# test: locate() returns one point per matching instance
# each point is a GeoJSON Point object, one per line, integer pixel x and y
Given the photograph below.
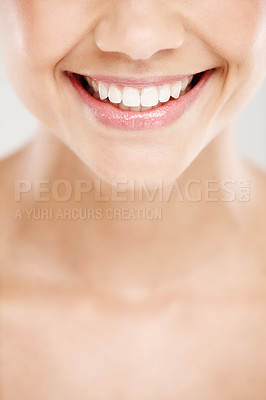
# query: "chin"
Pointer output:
{"type": "Point", "coordinates": [135, 179]}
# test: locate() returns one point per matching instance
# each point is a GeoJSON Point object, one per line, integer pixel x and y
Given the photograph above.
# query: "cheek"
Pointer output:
{"type": "Point", "coordinates": [41, 32]}
{"type": "Point", "coordinates": [235, 29]}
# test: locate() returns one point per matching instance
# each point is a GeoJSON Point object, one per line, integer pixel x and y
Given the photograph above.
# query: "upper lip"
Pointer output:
{"type": "Point", "coordinates": [139, 81]}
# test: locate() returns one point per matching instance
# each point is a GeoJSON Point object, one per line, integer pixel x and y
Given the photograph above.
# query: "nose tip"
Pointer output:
{"type": "Point", "coordinates": [139, 35]}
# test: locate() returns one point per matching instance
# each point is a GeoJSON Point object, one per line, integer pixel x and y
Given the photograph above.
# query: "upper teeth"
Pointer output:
{"type": "Point", "coordinates": [134, 97]}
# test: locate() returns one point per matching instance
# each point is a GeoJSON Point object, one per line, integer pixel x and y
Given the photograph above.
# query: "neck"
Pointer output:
{"type": "Point", "coordinates": [206, 180]}
{"type": "Point", "coordinates": [138, 230]}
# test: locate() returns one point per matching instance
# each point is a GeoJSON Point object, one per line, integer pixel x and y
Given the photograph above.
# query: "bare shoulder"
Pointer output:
{"type": "Point", "coordinates": [7, 167]}
{"type": "Point", "coordinates": [254, 213]}
{"type": "Point", "coordinates": [10, 171]}
{"type": "Point", "coordinates": [13, 168]}
{"type": "Point", "coordinates": [10, 168]}
{"type": "Point", "coordinates": [258, 194]}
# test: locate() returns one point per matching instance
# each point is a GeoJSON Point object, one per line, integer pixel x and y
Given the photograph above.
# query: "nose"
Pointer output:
{"type": "Point", "coordinates": [139, 29]}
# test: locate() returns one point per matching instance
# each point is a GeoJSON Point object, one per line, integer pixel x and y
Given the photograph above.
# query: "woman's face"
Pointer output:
{"type": "Point", "coordinates": [138, 53]}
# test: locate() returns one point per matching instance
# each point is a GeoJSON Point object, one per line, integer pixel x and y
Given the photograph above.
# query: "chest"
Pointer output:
{"type": "Point", "coordinates": [54, 352]}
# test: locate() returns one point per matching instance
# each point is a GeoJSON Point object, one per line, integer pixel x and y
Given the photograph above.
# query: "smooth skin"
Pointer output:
{"type": "Point", "coordinates": [113, 309]}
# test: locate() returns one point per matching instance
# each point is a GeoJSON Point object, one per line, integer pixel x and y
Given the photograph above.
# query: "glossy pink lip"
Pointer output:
{"type": "Point", "coordinates": [164, 115]}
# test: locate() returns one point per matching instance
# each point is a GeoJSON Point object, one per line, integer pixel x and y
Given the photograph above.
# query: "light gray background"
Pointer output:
{"type": "Point", "coordinates": [17, 125]}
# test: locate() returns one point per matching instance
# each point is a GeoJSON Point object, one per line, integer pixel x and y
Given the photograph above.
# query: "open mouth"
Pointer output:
{"type": "Point", "coordinates": [137, 99]}
{"type": "Point", "coordinates": [130, 104]}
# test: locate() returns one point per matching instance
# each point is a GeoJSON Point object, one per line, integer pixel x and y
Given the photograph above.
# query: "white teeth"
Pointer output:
{"type": "Point", "coordinates": [190, 79]}
{"type": "Point", "coordinates": [184, 84]}
{"type": "Point", "coordinates": [135, 108]}
{"type": "Point", "coordinates": [115, 96]}
{"type": "Point", "coordinates": [123, 107]}
{"type": "Point", "coordinates": [103, 92]}
{"type": "Point", "coordinates": [175, 90]}
{"type": "Point", "coordinates": [89, 80]}
{"type": "Point", "coordinates": [164, 93]}
{"type": "Point", "coordinates": [135, 99]}
{"type": "Point", "coordinates": [95, 86]}
{"type": "Point", "coordinates": [131, 97]}
{"type": "Point", "coordinates": [149, 97]}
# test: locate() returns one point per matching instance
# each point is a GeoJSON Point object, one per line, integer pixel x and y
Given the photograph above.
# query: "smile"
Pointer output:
{"type": "Point", "coordinates": [143, 104]}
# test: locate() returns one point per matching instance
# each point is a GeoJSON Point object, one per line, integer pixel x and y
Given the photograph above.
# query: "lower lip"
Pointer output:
{"type": "Point", "coordinates": [164, 115]}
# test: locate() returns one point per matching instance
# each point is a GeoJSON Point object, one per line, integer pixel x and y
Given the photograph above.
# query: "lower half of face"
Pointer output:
{"type": "Point", "coordinates": [135, 90]}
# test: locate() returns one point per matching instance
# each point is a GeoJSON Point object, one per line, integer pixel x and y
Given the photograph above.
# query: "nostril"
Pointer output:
{"type": "Point", "coordinates": [140, 36]}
